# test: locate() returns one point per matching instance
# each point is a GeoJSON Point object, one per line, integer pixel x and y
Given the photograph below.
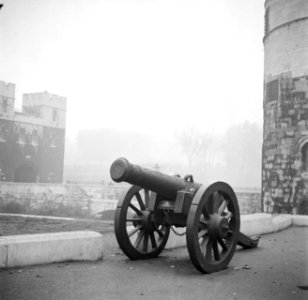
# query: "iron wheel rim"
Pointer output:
{"type": "Point", "coordinates": [211, 246]}
{"type": "Point", "coordinates": [136, 230]}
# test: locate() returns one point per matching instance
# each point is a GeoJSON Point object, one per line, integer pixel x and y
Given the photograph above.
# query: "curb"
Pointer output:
{"type": "Point", "coordinates": [32, 249]}
{"type": "Point", "coordinates": [300, 220]}
{"type": "Point", "coordinates": [255, 224]}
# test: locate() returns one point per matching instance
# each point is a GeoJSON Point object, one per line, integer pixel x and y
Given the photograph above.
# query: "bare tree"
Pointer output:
{"type": "Point", "coordinates": [195, 145]}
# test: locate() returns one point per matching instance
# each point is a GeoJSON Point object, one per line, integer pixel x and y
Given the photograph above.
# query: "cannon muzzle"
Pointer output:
{"type": "Point", "coordinates": [120, 170]}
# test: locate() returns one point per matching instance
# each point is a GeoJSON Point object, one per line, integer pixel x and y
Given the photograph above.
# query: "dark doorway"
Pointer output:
{"type": "Point", "coordinates": [27, 172]}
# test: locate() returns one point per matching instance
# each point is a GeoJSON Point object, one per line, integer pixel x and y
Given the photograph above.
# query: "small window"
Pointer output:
{"type": "Point", "coordinates": [5, 105]}
{"type": "Point", "coordinates": [272, 91]}
{"type": "Point", "coordinates": [55, 115]}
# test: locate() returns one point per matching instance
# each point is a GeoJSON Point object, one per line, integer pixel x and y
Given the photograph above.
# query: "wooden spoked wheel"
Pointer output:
{"type": "Point", "coordinates": [213, 227]}
{"type": "Point", "coordinates": [137, 232]}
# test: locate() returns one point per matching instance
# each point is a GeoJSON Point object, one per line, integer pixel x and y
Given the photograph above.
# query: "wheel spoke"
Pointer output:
{"type": "Point", "coordinates": [139, 238]}
{"type": "Point", "coordinates": [228, 215]}
{"type": "Point", "coordinates": [133, 219]}
{"type": "Point", "coordinates": [203, 245]}
{"type": "Point", "coordinates": [203, 224]}
{"type": "Point", "coordinates": [202, 233]}
{"type": "Point", "coordinates": [222, 206]}
{"type": "Point", "coordinates": [140, 201]}
{"type": "Point", "coordinates": [145, 242]}
{"type": "Point", "coordinates": [161, 234]}
{"type": "Point", "coordinates": [230, 235]}
{"type": "Point", "coordinates": [146, 197]}
{"type": "Point", "coordinates": [216, 250]}
{"type": "Point", "coordinates": [153, 241]}
{"type": "Point", "coordinates": [222, 244]}
{"type": "Point", "coordinates": [205, 212]}
{"type": "Point", "coordinates": [217, 199]}
{"type": "Point", "coordinates": [135, 209]}
{"type": "Point", "coordinates": [134, 230]}
{"type": "Point", "coordinates": [209, 246]}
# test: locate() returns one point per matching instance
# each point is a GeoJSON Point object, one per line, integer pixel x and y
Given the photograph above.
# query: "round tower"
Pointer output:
{"type": "Point", "coordinates": [285, 104]}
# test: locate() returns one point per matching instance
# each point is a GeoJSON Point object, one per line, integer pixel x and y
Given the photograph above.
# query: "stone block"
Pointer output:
{"type": "Point", "coordinates": [31, 249]}
{"type": "Point", "coordinates": [268, 166]}
{"type": "Point", "coordinates": [256, 224]}
{"type": "Point", "coordinates": [300, 220]}
{"type": "Point", "coordinates": [282, 221]}
{"type": "Point", "coordinates": [292, 112]}
{"type": "Point", "coordinates": [302, 123]}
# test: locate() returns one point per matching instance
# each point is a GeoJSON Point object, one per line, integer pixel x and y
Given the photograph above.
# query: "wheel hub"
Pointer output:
{"type": "Point", "coordinates": [218, 226]}
{"type": "Point", "coordinates": [148, 221]}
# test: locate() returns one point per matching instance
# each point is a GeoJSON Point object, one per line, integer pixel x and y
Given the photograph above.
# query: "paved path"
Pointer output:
{"type": "Point", "coordinates": [274, 270]}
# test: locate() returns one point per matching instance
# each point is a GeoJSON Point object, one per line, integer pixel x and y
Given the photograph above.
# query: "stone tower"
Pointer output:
{"type": "Point", "coordinates": [285, 104]}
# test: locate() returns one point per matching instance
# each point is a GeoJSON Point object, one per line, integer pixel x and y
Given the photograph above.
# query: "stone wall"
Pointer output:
{"type": "Point", "coordinates": [285, 49]}
{"type": "Point", "coordinates": [31, 141]}
{"type": "Point", "coordinates": [84, 200]}
{"type": "Point", "coordinates": [31, 153]}
{"type": "Point", "coordinates": [285, 136]}
{"type": "Point", "coordinates": [68, 200]}
{"type": "Point", "coordinates": [249, 200]}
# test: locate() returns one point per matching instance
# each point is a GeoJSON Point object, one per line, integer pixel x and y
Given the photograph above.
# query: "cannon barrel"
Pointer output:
{"type": "Point", "coordinates": [167, 186]}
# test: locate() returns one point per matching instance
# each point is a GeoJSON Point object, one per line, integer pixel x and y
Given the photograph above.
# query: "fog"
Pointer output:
{"type": "Point", "coordinates": [139, 76]}
{"type": "Point", "coordinates": [234, 156]}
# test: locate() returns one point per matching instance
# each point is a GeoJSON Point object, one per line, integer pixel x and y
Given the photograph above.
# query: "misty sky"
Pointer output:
{"type": "Point", "coordinates": [148, 66]}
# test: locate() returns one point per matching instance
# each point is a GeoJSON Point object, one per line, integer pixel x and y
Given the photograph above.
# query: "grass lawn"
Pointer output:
{"type": "Point", "coordinates": [13, 225]}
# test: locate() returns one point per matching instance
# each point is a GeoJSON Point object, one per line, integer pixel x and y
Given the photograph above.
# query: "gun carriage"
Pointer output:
{"type": "Point", "coordinates": [156, 201]}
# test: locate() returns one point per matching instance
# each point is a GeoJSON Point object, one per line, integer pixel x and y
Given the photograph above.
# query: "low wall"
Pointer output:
{"type": "Point", "coordinates": [84, 200]}
{"type": "Point", "coordinates": [69, 200]}
{"type": "Point", "coordinates": [249, 200]}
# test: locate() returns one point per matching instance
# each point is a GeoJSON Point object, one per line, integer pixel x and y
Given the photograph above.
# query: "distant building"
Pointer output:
{"type": "Point", "coordinates": [31, 141]}
{"type": "Point", "coordinates": [285, 140]}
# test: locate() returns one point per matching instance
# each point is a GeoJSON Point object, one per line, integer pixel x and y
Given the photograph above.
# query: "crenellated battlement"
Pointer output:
{"type": "Point", "coordinates": [7, 89]}
{"type": "Point", "coordinates": [44, 99]}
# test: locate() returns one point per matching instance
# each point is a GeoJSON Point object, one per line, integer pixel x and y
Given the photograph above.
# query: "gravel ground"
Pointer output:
{"type": "Point", "coordinates": [14, 225]}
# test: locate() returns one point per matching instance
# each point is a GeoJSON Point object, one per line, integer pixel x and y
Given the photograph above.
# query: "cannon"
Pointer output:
{"type": "Point", "coordinates": [156, 202]}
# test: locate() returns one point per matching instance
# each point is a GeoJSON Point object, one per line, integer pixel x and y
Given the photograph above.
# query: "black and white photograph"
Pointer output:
{"type": "Point", "coordinates": [153, 149]}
